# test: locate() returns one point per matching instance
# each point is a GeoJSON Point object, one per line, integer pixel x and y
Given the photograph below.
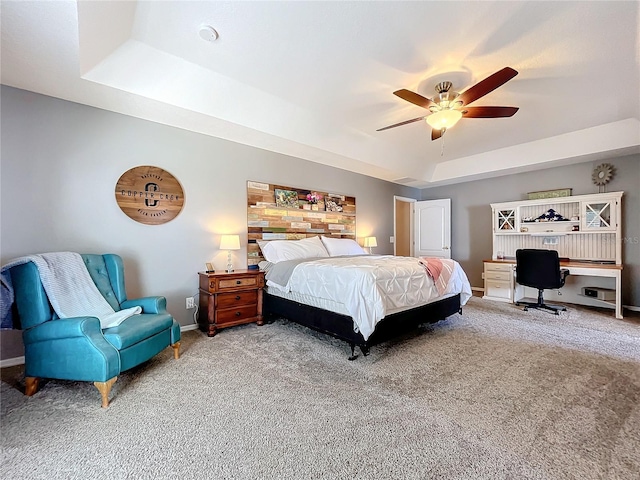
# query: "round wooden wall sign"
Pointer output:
{"type": "Point", "coordinates": [149, 195]}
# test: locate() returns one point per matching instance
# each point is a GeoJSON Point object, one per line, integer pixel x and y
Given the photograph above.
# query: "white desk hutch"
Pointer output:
{"type": "Point", "coordinates": [589, 243]}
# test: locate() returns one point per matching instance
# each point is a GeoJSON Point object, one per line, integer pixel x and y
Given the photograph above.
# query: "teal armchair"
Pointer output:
{"type": "Point", "coordinates": [77, 348]}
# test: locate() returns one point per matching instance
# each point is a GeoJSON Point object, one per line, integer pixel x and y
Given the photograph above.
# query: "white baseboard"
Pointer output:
{"type": "Point", "coordinates": [186, 328]}
{"type": "Point", "coordinates": [632, 308]}
{"type": "Point", "coordinates": [11, 362]}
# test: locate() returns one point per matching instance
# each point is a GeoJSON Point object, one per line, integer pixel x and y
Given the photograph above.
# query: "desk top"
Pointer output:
{"type": "Point", "coordinates": [606, 266]}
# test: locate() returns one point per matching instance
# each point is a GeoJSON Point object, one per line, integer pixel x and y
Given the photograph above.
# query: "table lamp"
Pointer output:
{"type": "Point", "coordinates": [370, 242]}
{"type": "Point", "coordinates": [228, 243]}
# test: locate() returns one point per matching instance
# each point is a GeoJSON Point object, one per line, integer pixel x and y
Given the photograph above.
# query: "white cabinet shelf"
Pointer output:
{"type": "Point", "coordinates": [548, 234]}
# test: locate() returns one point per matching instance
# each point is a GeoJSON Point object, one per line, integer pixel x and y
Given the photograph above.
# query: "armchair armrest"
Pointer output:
{"type": "Point", "coordinates": [63, 328]}
{"type": "Point", "coordinates": [156, 304]}
{"type": "Point", "coordinates": [70, 349]}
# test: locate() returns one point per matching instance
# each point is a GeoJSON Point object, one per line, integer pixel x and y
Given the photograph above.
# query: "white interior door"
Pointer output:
{"type": "Point", "coordinates": [432, 220]}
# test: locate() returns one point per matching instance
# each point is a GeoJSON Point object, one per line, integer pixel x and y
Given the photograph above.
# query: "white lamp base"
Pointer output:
{"type": "Point", "coordinates": [229, 264]}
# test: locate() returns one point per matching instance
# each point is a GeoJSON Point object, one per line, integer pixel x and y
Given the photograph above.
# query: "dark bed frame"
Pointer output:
{"type": "Point", "coordinates": [341, 326]}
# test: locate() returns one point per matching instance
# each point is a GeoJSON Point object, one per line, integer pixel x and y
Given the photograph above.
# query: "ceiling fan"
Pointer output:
{"type": "Point", "coordinates": [447, 107]}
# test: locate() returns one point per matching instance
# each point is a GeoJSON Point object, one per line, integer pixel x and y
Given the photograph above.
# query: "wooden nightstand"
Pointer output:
{"type": "Point", "coordinates": [228, 299]}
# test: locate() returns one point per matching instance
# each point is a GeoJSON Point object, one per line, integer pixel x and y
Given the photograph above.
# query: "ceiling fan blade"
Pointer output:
{"type": "Point", "coordinates": [399, 124]}
{"type": "Point", "coordinates": [487, 85]}
{"type": "Point", "coordinates": [414, 98]}
{"type": "Point", "coordinates": [488, 112]}
{"type": "Point", "coordinates": [435, 134]}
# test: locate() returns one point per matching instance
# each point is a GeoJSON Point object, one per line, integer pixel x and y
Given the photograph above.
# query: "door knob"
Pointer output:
{"type": "Point", "coordinates": [445, 248]}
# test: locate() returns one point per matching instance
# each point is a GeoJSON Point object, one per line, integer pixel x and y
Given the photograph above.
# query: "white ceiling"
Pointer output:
{"type": "Point", "coordinates": [316, 79]}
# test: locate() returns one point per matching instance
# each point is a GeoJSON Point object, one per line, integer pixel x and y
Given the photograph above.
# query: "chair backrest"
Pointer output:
{"type": "Point", "coordinates": [107, 272]}
{"type": "Point", "coordinates": [538, 268]}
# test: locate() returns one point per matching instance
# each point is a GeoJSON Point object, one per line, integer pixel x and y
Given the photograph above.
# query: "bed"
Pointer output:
{"type": "Point", "coordinates": [359, 298]}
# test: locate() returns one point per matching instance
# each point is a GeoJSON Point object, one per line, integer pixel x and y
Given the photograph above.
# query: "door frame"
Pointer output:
{"type": "Point", "coordinates": [411, 223]}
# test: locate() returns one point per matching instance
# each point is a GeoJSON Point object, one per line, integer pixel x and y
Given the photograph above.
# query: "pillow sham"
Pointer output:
{"type": "Point", "coordinates": [342, 246]}
{"type": "Point", "coordinates": [275, 251]}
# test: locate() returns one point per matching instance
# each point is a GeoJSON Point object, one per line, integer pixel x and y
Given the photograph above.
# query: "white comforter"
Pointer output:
{"type": "Point", "coordinates": [371, 285]}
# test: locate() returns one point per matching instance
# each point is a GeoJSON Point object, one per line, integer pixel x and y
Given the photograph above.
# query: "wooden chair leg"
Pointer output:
{"type": "Point", "coordinates": [104, 388]}
{"type": "Point", "coordinates": [30, 385]}
{"type": "Point", "coordinates": [176, 350]}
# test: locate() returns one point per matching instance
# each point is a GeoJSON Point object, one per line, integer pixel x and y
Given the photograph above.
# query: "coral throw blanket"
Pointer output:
{"type": "Point", "coordinates": [440, 270]}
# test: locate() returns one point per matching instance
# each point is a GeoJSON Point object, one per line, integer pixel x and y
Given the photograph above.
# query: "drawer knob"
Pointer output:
{"type": "Point", "coordinates": [237, 297]}
{"type": "Point", "coordinates": [238, 314]}
{"type": "Point", "coordinates": [238, 282]}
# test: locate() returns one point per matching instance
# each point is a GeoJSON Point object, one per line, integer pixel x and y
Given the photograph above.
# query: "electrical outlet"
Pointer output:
{"type": "Point", "coordinates": [190, 303]}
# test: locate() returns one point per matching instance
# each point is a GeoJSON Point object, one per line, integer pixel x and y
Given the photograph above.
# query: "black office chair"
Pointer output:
{"type": "Point", "coordinates": [540, 269]}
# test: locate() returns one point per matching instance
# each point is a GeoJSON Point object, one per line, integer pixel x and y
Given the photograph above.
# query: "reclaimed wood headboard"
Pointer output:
{"type": "Point", "coordinates": [276, 212]}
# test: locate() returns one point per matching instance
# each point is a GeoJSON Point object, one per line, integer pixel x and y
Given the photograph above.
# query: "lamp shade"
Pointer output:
{"type": "Point", "coordinates": [230, 242]}
{"type": "Point", "coordinates": [370, 242]}
{"type": "Point", "coordinates": [444, 119]}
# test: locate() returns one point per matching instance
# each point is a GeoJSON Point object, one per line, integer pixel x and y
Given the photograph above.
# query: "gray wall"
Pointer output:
{"type": "Point", "coordinates": [471, 212]}
{"type": "Point", "coordinates": [60, 165]}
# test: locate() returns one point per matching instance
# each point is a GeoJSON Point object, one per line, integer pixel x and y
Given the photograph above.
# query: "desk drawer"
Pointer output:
{"type": "Point", "coordinates": [498, 267]}
{"type": "Point", "coordinates": [499, 276]}
{"type": "Point", "coordinates": [233, 315]}
{"type": "Point", "coordinates": [498, 289]}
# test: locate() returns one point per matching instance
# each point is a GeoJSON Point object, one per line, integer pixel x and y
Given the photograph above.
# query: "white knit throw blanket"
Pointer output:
{"type": "Point", "coordinates": [71, 290]}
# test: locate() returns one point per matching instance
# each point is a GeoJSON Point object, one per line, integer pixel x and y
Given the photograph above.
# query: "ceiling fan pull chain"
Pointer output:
{"type": "Point", "coordinates": [442, 149]}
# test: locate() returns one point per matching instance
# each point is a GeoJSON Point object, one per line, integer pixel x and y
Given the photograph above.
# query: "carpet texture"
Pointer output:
{"type": "Point", "coordinates": [492, 393]}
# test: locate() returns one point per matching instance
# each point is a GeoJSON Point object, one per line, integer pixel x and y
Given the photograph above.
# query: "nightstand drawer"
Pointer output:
{"type": "Point", "coordinates": [236, 314]}
{"type": "Point", "coordinates": [498, 289]}
{"type": "Point", "coordinates": [230, 300]}
{"type": "Point", "coordinates": [238, 282]}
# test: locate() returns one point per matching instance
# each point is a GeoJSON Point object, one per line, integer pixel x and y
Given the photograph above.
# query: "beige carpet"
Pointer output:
{"type": "Point", "coordinates": [494, 393]}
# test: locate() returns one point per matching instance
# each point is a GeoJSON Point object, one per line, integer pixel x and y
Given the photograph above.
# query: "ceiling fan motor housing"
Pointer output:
{"type": "Point", "coordinates": [445, 97]}
{"type": "Point", "coordinates": [443, 87]}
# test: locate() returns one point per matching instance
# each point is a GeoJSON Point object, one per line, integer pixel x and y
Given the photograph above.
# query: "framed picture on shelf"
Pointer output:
{"type": "Point", "coordinates": [286, 198]}
{"type": "Point", "coordinates": [561, 192]}
{"type": "Point", "coordinates": [333, 203]}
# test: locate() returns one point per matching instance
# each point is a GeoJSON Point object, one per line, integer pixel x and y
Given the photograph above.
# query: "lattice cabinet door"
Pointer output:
{"type": "Point", "coordinates": [505, 220]}
{"type": "Point", "coordinates": [599, 216]}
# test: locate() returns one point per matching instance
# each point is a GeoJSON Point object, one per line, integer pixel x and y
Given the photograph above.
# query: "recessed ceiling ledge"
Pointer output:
{"type": "Point", "coordinates": [579, 146]}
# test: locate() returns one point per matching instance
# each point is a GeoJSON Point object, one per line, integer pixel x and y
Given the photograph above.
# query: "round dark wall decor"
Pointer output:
{"type": "Point", "coordinates": [149, 195]}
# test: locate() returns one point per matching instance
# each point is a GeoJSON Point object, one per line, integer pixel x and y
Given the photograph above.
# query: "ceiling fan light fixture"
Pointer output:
{"type": "Point", "coordinates": [444, 119]}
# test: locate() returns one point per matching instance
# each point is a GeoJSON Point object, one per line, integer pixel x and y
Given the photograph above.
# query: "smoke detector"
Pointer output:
{"type": "Point", "coordinates": [208, 33]}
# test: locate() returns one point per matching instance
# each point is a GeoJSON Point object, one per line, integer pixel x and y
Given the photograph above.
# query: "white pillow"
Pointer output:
{"type": "Point", "coordinates": [342, 246]}
{"type": "Point", "coordinates": [275, 251]}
